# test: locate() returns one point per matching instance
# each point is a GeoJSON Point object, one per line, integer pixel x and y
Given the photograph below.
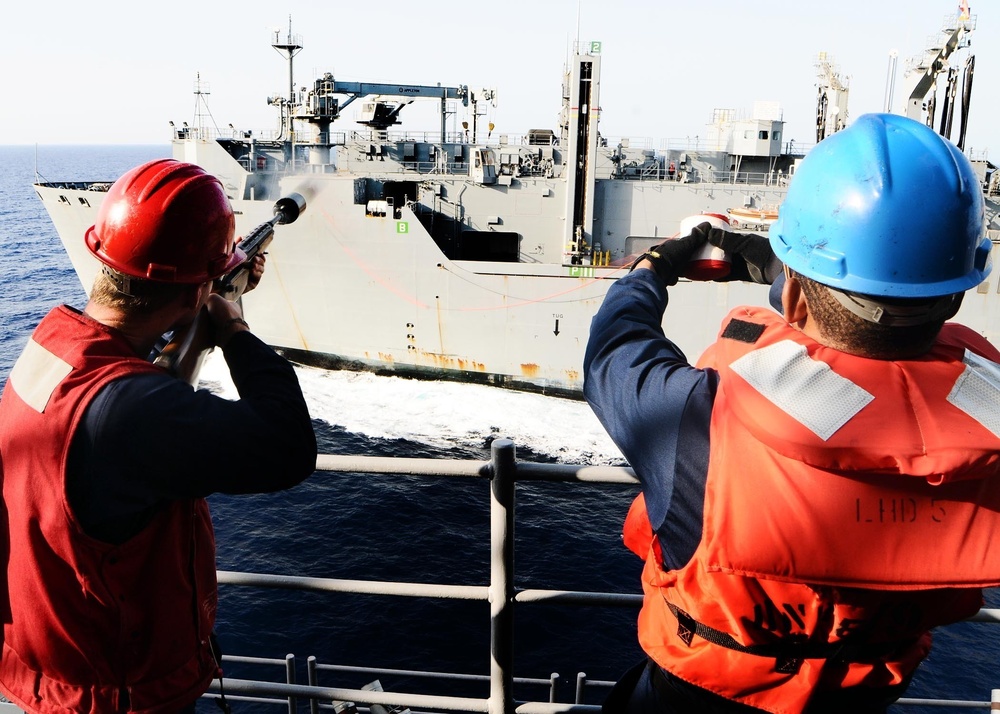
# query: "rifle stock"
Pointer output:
{"type": "Point", "coordinates": [184, 354]}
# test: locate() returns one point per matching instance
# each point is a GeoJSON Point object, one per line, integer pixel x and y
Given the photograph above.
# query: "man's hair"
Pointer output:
{"type": "Point", "coordinates": [144, 296]}
{"type": "Point", "coordinates": [852, 333]}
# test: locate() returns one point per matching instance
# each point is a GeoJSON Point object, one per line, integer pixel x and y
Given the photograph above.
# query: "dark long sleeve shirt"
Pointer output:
{"type": "Point", "coordinates": [655, 406]}
{"type": "Point", "coordinates": [147, 439]}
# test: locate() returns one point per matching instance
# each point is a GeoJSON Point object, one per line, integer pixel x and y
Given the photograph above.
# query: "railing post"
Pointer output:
{"type": "Point", "coordinates": [504, 467]}
{"type": "Point", "coordinates": [581, 682]}
{"type": "Point", "coordinates": [313, 680]}
{"type": "Point", "coordinates": [290, 679]}
{"type": "Point", "coordinates": [553, 681]}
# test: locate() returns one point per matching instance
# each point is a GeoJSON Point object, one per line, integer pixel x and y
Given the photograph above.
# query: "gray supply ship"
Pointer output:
{"type": "Point", "coordinates": [482, 257]}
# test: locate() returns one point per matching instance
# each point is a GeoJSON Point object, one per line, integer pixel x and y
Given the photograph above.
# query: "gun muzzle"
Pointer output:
{"type": "Point", "coordinates": [287, 208]}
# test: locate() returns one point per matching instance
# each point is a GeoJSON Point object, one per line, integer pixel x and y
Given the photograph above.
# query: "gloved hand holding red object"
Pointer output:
{"type": "Point", "coordinates": [670, 257]}
{"type": "Point", "coordinates": [753, 260]}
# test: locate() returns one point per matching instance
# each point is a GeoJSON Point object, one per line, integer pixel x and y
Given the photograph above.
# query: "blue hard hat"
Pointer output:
{"type": "Point", "coordinates": [885, 207]}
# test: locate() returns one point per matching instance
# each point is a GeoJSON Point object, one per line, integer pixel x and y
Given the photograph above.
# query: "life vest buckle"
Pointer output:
{"type": "Point", "coordinates": [686, 626]}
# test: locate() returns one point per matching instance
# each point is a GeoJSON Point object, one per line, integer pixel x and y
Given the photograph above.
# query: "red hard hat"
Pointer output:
{"type": "Point", "coordinates": [166, 221]}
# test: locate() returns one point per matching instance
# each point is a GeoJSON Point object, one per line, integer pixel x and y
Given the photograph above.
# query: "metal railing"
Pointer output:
{"type": "Point", "coordinates": [705, 177]}
{"type": "Point", "coordinates": [503, 471]}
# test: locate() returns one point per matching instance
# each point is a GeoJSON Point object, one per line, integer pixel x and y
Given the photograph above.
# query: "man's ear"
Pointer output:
{"type": "Point", "coordinates": [195, 295]}
{"type": "Point", "coordinates": [956, 305]}
{"type": "Point", "coordinates": [793, 302]}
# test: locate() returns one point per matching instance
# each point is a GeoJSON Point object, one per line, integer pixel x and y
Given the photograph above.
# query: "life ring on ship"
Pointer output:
{"type": "Point", "coordinates": [752, 216]}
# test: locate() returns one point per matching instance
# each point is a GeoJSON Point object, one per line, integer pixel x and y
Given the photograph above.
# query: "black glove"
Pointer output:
{"type": "Point", "coordinates": [670, 257]}
{"type": "Point", "coordinates": [753, 261]}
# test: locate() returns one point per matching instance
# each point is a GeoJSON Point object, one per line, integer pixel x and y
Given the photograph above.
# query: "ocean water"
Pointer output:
{"type": "Point", "coordinates": [409, 528]}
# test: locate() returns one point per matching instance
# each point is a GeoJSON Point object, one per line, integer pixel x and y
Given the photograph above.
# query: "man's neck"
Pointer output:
{"type": "Point", "coordinates": [141, 332]}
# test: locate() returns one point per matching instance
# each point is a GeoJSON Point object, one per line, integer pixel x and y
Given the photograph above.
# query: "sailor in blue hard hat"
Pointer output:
{"type": "Point", "coordinates": [822, 490]}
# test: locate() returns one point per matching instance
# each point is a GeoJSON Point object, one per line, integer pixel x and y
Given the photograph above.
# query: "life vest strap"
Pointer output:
{"type": "Point", "coordinates": [788, 655]}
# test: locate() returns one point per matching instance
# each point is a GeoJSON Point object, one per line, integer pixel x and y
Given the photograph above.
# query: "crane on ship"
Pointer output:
{"type": "Point", "coordinates": [321, 106]}
{"type": "Point", "coordinates": [831, 104]}
{"type": "Point", "coordinates": [923, 73]}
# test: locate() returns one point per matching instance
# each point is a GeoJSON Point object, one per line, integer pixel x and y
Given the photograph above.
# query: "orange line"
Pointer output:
{"type": "Point", "coordinates": [373, 275]}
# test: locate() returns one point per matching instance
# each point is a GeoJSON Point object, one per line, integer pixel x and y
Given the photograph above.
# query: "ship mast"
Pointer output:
{"type": "Point", "coordinates": [201, 110]}
{"type": "Point", "coordinates": [290, 47]}
{"type": "Point", "coordinates": [579, 121]}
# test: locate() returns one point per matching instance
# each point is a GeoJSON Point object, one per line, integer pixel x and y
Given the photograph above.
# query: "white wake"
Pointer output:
{"type": "Point", "coordinates": [443, 414]}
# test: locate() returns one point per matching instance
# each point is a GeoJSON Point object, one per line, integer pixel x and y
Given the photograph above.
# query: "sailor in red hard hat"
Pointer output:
{"type": "Point", "coordinates": [107, 460]}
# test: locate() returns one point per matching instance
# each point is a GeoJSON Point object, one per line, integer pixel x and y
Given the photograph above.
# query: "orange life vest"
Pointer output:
{"type": "Point", "coordinates": [875, 482]}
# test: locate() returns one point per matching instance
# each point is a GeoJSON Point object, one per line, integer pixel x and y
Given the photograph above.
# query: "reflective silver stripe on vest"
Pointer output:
{"type": "Point", "coordinates": [806, 389]}
{"type": "Point", "coordinates": [36, 375]}
{"type": "Point", "coordinates": [977, 391]}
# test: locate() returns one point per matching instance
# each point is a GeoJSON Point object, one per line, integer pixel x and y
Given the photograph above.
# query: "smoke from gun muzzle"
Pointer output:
{"type": "Point", "coordinates": [288, 208]}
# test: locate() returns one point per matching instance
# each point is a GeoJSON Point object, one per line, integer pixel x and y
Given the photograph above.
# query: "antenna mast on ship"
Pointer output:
{"type": "Point", "coordinates": [201, 110]}
{"type": "Point", "coordinates": [291, 46]}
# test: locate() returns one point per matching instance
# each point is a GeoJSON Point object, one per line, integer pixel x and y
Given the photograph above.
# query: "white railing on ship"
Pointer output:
{"type": "Point", "coordinates": [503, 471]}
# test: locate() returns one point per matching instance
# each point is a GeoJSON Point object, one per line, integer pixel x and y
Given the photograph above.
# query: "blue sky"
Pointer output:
{"type": "Point", "coordinates": [117, 72]}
